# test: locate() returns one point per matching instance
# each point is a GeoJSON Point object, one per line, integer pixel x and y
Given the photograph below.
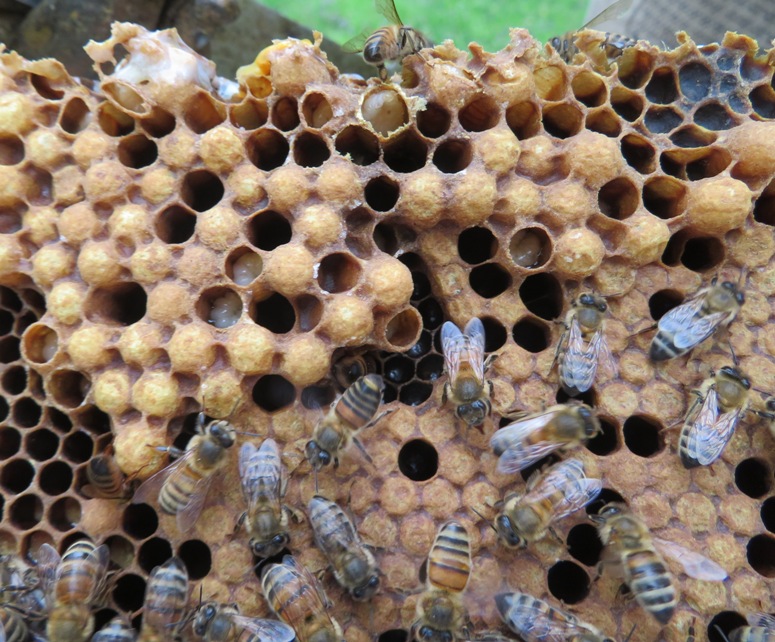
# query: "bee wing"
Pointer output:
{"type": "Point", "coordinates": [618, 8]}
{"type": "Point", "coordinates": [514, 459]}
{"type": "Point", "coordinates": [695, 565]}
{"type": "Point", "coordinates": [605, 360]}
{"type": "Point", "coordinates": [388, 9]}
{"type": "Point", "coordinates": [310, 579]}
{"type": "Point", "coordinates": [708, 444]}
{"type": "Point", "coordinates": [48, 562]}
{"type": "Point", "coordinates": [764, 620]}
{"type": "Point", "coordinates": [577, 490]}
{"type": "Point", "coordinates": [680, 317]}
{"type": "Point", "coordinates": [579, 364]}
{"type": "Point", "coordinates": [453, 343]}
{"type": "Point", "coordinates": [699, 330]}
{"type": "Point", "coordinates": [265, 630]}
{"type": "Point", "coordinates": [102, 555]}
{"type": "Point", "coordinates": [149, 489]}
{"type": "Point", "coordinates": [186, 517]}
{"type": "Point", "coordinates": [474, 333]}
{"type": "Point", "coordinates": [530, 621]}
{"type": "Point", "coordinates": [267, 480]}
{"type": "Point", "coordinates": [355, 44]}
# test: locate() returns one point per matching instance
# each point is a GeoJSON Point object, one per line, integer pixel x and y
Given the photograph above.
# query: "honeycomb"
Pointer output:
{"type": "Point", "coordinates": [175, 242]}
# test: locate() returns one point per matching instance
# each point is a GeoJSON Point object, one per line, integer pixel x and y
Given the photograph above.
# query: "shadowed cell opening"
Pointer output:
{"type": "Point", "coordinates": [11, 150]}
{"type": "Point", "coordinates": [361, 145]}
{"type": "Point", "coordinates": [268, 230]}
{"type": "Point", "coordinates": [626, 103]}
{"type": "Point", "coordinates": [249, 114]}
{"type": "Point", "coordinates": [662, 120]}
{"type": "Point", "coordinates": [752, 477]}
{"type": "Point", "coordinates": [122, 552]}
{"type": "Point", "coordinates": [26, 511]}
{"type": "Point", "coordinates": [694, 79]}
{"type": "Point", "coordinates": [17, 475]}
{"type": "Point", "coordinates": [453, 156]}
{"type": "Point", "coordinates": [285, 114]}
{"type": "Point", "coordinates": [431, 312]}
{"type": "Point", "coordinates": [113, 121]}
{"type": "Point", "coordinates": [530, 247]}
{"type": "Point", "coordinates": [568, 582]}
{"type": "Point", "coordinates": [153, 553]}
{"type": "Point", "coordinates": [55, 478]}
{"type": "Point", "coordinates": [273, 392]}
{"type": "Point", "coordinates": [606, 496]}
{"type": "Point", "coordinates": [201, 190]}
{"type": "Point", "coordinates": [139, 521]}
{"type": "Point", "coordinates": [423, 345]}
{"type": "Point", "coordinates": [405, 153]}
{"type": "Point", "coordinates": [64, 514]}
{"type": "Point", "coordinates": [584, 544]}
{"type": "Point", "coordinates": [9, 349]}
{"type": "Point", "coordinates": [494, 334]}
{"type": "Point", "coordinates": [41, 444]}
{"type": "Point", "coordinates": [604, 121]}
{"type": "Point", "coordinates": [414, 393]}
{"type": "Point", "coordinates": [618, 199]}
{"type": "Point", "coordinates": [639, 153]}
{"type": "Point", "coordinates": [476, 245]}
{"type": "Point", "coordinates": [59, 420]}
{"type": "Point", "coordinates": [197, 558]}
{"type": "Point", "coordinates": [275, 313]}
{"type": "Point", "coordinates": [763, 101]}
{"type": "Point", "coordinates": [662, 87]}
{"type": "Point", "coordinates": [381, 193]}
{"type": "Point", "coordinates": [78, 447]}
{"type": "Point", "coordinates": [137, 151]}
{"type": "Point", "coordinates": [75, 116]}
{"type": "Point", "coordinates": [589, 397]}
{"type": "Point", "coordinates": [309, 310]}
{"type": "Point", "coordinates": [26, 412]}
{"type": "Point", "coordinates": [433, 121]}
{"type": "Point", "coordinates": [531, 334]}
{"type": "Point", "coordinates": [398, 369]}
{"type": "Point", "coordinates": [267, 149]}
{"type": "Point", "coordinates": [589, 89]}
{"type": "Point", "coordinates": [664, 196]}
{"type": "Point", "coordinates": [607, 442]}
{"type": "Point", "coordinates": [129, 592]}
{"type": "Point", "coordinates": [159, 123]}
{"type": "Point", "coordinates": [541, 464]}
{"type": "Point", "coordinates": [394, 635]}
{"type": "Point", "coordinates": [542, 295]}
{"type": "Point", "coordinates": [480, 114]}
{"type": "Point", "coordinates": [69, 387]}
{"type": "Point", "coordinates": [563, 120]}
{"type": "Point", "coordinates": [768, 514]}
{"type": "Point", "coordinates": [713, 116]}
{"type": "Point", "coordinates": [338, 272]}
{"type": "Point", "coordinates": [94, 420]}
{"type": "Point", "coordinates": [310, 150]}
{"type": "Point", "coordinates": [489, 280]}
{"type": "Point", "coordinates": [203, 113]}
{"type": "Point", "coordinates": [661, 302]}
{"type": "Point", "coordinates": [316, 110]}
{"type": "Point", "coordinates": [175, 224]}
{"type": "Point", "coordinates": [122, 304]}
{"type": "Point", "coordinates": [418, 460]}
{"type": "Point", "coordinates": [691, 137]}
{"type": "Point", "coordinates": [727, 621]}
{"type": "Point", "coordinates": [523, 119]}
{"type": "Point", "coordinates": [430, 368]}
{"type": "Point", "coordinates": [261, 564]}
{"type": "Point", "coordinates": [10, 441]}
{"type": "Point", "coordinates": [702, 253]}
{"type": "Point", "coordinates": [642, 436]}
{"type": "Point", "coordinates": [764, 206]}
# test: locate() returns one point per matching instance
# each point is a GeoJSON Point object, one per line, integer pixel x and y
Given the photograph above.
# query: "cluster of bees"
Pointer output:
{"type": "Point", "coordinates": [54, 599]}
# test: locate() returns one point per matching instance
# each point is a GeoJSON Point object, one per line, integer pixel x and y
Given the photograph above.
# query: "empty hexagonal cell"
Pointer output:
{"type": "Point", "coordinates": [121, 304]}
{"type": "Point", "coordinates": [763, 101]}
{"type": "Point", "coordinates": [310, 150]}
{"type": "Point", "coordinates": [480, 114]}
{"type": "Point", "coordinates": [316, 110]}
{"type": "Point", "coordinates": [285, 113]}
{"type": "Point", "coordinates": [699, 254]}
{"type": "Point", "coordinates": [58, 420]}
{"type": "Point", "coordinates": [414, 393]}
{"type": "Point", "coordinates": [423, 345]}
{"type": "Point", "coordinates": [139, 521]}
{"type": "Point", "coordinates": [381, 193]}
{"type": "Point", "coordinates": [584, 544]}
{"type": "Point", "coordinates": [361, 145]}
{"type": "Point", "coordinates": [433, 121]}
{"type": "Point", "coordinates": [418, 460]}
{"type": "Point", "coordinates": [273, 392]}
{"type": "Point", "coordinates": [113, 121]}
{"type": "Point", "coordinates": [385, 110]}
{"type": "Point", "coordinates": [398, 369]}
{"type": "Point", "coordinates": [10, 441]}
{"type": "Point", "coordinates": [627, 104]}
{"type": "Point", "coordinates": [662, 301]}
{"type": "Point", "coordinates": [129, 592]}
{"type": "Point", "coordinates": [494, 334]}
{"type": "Point", "coordinates": [137, 151]}
{"type": "Point", "coordinates": [589, 89]}
{"type": "Point", "coordinates": [9, 349]}
{"type": "Point", "coordinates": [764, 206]}
{"type": "Point", "coordinates": [24, 322]}
{"type": "Point", "coordinates": [691, 136]}
{"type": "Point", "coordinates": [201, 190]}
{"type": "Point", "coordinates": [489, 280]}
{"type": "Point", "coordinates": [25, 512]}
{"type": "Point", "coordinates": [714, 116]}
{"type": "Point", "coordinates": [662, 88]}
{"type": "Point", "coordinates": [618, 198]}
{"type": "Point", "coordinates": [662, 120]}
{"type": "Point", "coordinates": [153, 553]}
{"type": "Point", "coordinates": [562, 120]}
{"type": "Point", "coordinates": [568, 582]}
{"type": "Point", "coordinates": [753, 477]}
{"type": "Point", "coordinates": [390, 237]}
{"type": "Point", "coordinates": [275, 313]}
{"type": "Point", "coordinates": [542, 295]}
{"type": "Point", "coordinates": [55, 478]}
{"type": "Point", "coordinates": [175, 224]}
{"type": "Point", "coordinates": [68, 387]}
{"type": "Point", "coordinates": [639, 153]}
{"type": "Point", "coordinates": [694, 79]}
{"type": "Point", "coordinates": [94, 419]}
{"type": "Point", "coordinates": [664, 196]}
{"type": "Point", "coordinates": [403, 329]}
{"type": "Point", "coordinates": [267, 149]}
{"type": "Point", "coordinates": [723, 624]}
{"type": "Point", "coordinates": [203, 112]}
{"type": "Point", "coordinates": [249, 114]}
{"type": "Point", "coordinates": [268, 230]}
{"type": "Point", "coordinates": [643, 436]}
{"type": "Point", "coordinates": [430, 367]}
{"type": "Point", "coordinates": [64, 514]}
{"type": "Point", "coordinates": [220, 307]}
{"type": "Point", "coordinates": [197, 558]}
{"type": "Point", "coordinates": [315, 397]}
{"type": "Point", "coordinates": [635, 67]}
{"type": "Point", "coordinates": [11, 150]}
{"type": "Point", "coordinates": [10, 300]}
{"type": "Point", "coordinates": [453, 155]}
{"type": "Point", "coordinates": [524, 119]}
{"type": "Point", "coordinates": [243, 266]}
{"type": "Point", "coordinates": [6, 322]}
{"type": "Point", "coordinates": [604, 121]}
{"type": "Point", "coordinates": [607, 442]}
{"type": "Point", "coordinates": [16, 475]}
{"type": "Point", "coordinates": [46, 87]}
{"type": "Point", "coordinates": [431, 313]}
{"type": "Point", "coordinates": [476, 245]}
{"type": "Point", "coordinates": [41, 444]}
{"type": "Point", "coordinates": [761, 554]}
{"type": "Point", "coordinates": [78, 447]}
{"type": "Point", "coordinates": [14, 380]}
{"type": "Point", "coordinates": [550, 82]}
{"type": "Point", "coordinates": [768, 514]}
{"type": "Point", "coordinates": [158, 123]}
{"type": "Point", "coordinates": [406, 152]}
{"type": "Point", "coordinates": [531, 334]}
{"type": "Point", "coordinates": [309, 311]}
{"type": "Point", "coordinates": [338, 272]}
{"type": "Point", "coordinates": [122, 551]}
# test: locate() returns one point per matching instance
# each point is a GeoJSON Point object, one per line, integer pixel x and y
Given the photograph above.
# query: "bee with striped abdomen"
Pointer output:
{"type": "Point", "coordinates": [550, 496]}
{"type": "Point", "coordinates": [393, 42]}
{"type": "Point", "coordinates": [465, 365]}
{"type": "Point", "coordinates": [533, 436]}
{"type": "Point", "coordinates": [13, 628]}
{"type": "Point", "coordinates": [761, 628]}
{"type": "Point", "coordinates": [264, 481]}
{"type": "Point", "coordinates": [689, 324]}
{"type": "Point", "coordinates": [223, 623]}
{"type": "Point", "coordinates": [578, 364]}
{"type": "Point", "coordinates": [613, 44]}
{"type": "Point", "coordinates": [166, 601]}
{"type": "Point", "coordinates": [632, 550]}
{"type": "Point", "coordinates": [441, 615]}
{"type": "Point", "coordinates": [711, 420]}
{"type": "Point", "coordinates": [296, 597]}
{"type": "Point", "coordinates": [534, 620]}
{"type": "Point", "coordinates": [356, 409]}
{"type": "Point", "coordinates": [353, 564]}
{"type": "Point", "coordinates": [106, 479]}
{"type": "Point", "coordinates": [73, 584]}
{"type": "Point", "coordinates": [182, 486]}
{"type": "Point", "coordinates": [117, 630]}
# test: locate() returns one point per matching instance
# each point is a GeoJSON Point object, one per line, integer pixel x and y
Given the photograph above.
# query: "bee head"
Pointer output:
{"type": "Point", "coordinates": [203, 617]}
{"type": "Point", "coordinates": [737, 375]}
{"type": "Point", "coordinates": [771, 404]}
{"type": "Point", "coordinates": [506, 532]}
{"type": "Point", "coordinates": [591, 424]}
{"type": "Point", "coordinates": [366, 590]}
{"type": "Point", "coordinates": [739, 296]}
{"type": "Point", "coordinates": [556, 43]}
{"type": "Point", "coordinates": [270, 548]}
{"type": "Point", "coordinates": [318, 458]}
{"type": "Point", "coordinates": [223, 432]}
{"type": "Point", "coordinates": [432, 635]}
{"type": "Point", "coordinates": [473, 413]}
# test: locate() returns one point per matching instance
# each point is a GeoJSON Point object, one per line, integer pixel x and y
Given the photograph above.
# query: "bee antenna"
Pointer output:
{"type": "Point", "coordinates": [316, 479]}
{"type": "Point", "coordinates": [248, 434]}
{"type": "Point", "coordinates": [734, 356]}
{"type": "Point", "coordinates": [723, 635]}
{"type": "Point", "coordinates": [632, 630]}
{"type": "Point", "coordinates": [484, 519]}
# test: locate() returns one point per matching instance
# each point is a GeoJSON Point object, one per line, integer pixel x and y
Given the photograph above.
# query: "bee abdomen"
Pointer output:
{"type": "Point", "coordinates": [651, 584]}
{"type": "Point", "coordinates": [328, 521]}
{"type": "Point", "coordinates": [374, 49]}
{"type": "Point", "coordinates": [361, 400]}
{"type": "Point", "coordinates": [683, 441]}
{"type": "Point", "coordinates": [117, 630]}
{"type": "Point", "coordinates": [449, 562]}
{"type": "Point", "coordinates": [105, 476]}
{"type": "Point", "coordinates": [13, 624]}
{"type": "Point", "coordinates": [177, 492]}
{"type": "Point", "coordinates": [167, 594]}
{"type": "Point", "coordinates": [662, 348]}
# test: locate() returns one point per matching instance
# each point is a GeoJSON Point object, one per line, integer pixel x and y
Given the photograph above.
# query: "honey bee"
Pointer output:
{"type": "Point", "coordinates": [182, 486]}
{"type": "Point", "coordinates": [706, 432]}
{"type": "Point", "coordinates": [441, 615]}
{"type": "Point", "coordinates": [72, 585]}
{"type": "Point", "coordinates": [353, 564]}
{"type": "Point", "coordinates": [578, 364]}
{"type": "Point", "coordinates": [295, 597]}
{"type": "Point", "coordinates": [166, 601]}
{"type": "Point", "coordinates": [393, 42]}
{"type": "Point", "coordinates": [613, 44]}
{"type": "Point", "coordinates": [264, 482]}
{"type": "Point", "coordinates": [761, 628]}
{"type": "Point", "coordinates": [534, 620]}
{"type": "Point", "coordinates": [106, 480]}
{"type": "Point", "coordinates": [117, 630]}
{"type": "Point", "coordinates": [552, 495]}
{"type": "Point", "coordinates": [533, 436]}
{"type": "Point", "coordinates": [223, 623]}
{"type": "Point", "coordinates": [354, 410]}
{"type": "Point", "coordinates": [769, 413]}
{"type": "Point", "coordinates": [465, 364]}
{"type": "Point", "coordinates": [635, 553]}
{"type": "Point", "coordinates": [689, 324]}
{"type": "Point", "coordinates": [13, 628]}
{"type": "Point", "coordinates": [20, 588]}
{"type": "Point", "coordinates": [350, 368]}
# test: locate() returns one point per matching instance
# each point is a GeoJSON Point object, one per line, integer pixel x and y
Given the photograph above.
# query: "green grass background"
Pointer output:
{"type": "Point", "coordinates": [484, 21]}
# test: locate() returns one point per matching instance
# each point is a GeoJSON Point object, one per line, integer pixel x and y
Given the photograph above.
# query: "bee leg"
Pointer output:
{"type": "Point", "coordinates": [444, 393]}
{"type": "Point", "coordinates": [378, 417]}
{"type": "Point", "coordinates": [316, 481]}
{"type": "Point", "coordinates": [489, 361]}
{"type": "Point", "coordinates": [383, 73]}
{"type": "Point", "coordinates": [648, 328]}
{"type": "Point", "coordinates": [295, 515]}
{"type": "Point", "coordinates": [556, 535]}
{"type": "Point", "coordinates": [172, 451]}
{"type": "Point", "coordinates": [361, 448]}
{"type": "Point", "coordinates": [240, 522]}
